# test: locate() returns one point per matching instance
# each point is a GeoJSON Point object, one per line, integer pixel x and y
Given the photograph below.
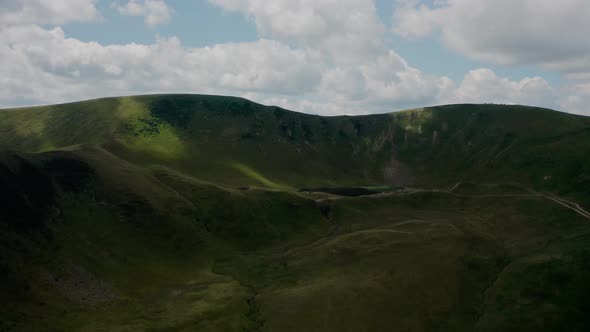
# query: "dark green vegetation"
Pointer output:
{"type": "Point", "coordinates": [186, 213]}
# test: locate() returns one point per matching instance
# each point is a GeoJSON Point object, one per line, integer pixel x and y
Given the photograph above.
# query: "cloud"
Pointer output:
{"type": "Point", "coordinates": [346, 30]}
{"type": "Point", "coordinates": [577, 98]}
{"type": "Point", "coordinates": [155, 12]}
{"type": "Point", "coordinates": [413, 20]}
{"type": "Point", "coordinates": [49, 67]}
{"type": "Point", "coordinates": [359, 73]}
{"type": "Point", "coordinates": [47, 11]}
{"type": "Point", "coordinates": [483, 85]}
{"type": "Point", "coordinates": [478, 86]}
{"type": "Point", "coordinates": [72, 69]}
{"type": "Point", "coordinates": [546, 33]}
{"type": "Point", "coordinates": [340, 64]}
{"type": "Point", "coordinates": [552, 34]}
{"type": "Point", "coordinates": [390, 78]}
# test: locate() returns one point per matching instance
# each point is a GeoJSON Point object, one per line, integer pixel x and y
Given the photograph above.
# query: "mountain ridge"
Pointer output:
{"type": "Point", "coordinates": [183, 212]}
{"type": "Point", "coordinates": [162, 127]}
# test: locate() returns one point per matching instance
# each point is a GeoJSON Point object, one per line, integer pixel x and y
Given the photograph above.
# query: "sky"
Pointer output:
{"type": "Point", "coordinates": [326, 57]}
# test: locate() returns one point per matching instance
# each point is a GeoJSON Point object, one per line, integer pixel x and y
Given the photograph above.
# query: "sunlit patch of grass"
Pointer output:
{"type": "Point", "coordinates": [46, 146]}
{"type": "Point", "coordinates": [165, 145]}
{"type": "Point", "coordinates": [130, 108]}
{"type": "Point", "coordinates": [148, 134]}
{"type": "Point", "coordinates": [414, 121]}
{"type": "Point", "coordinates": [249, 172]}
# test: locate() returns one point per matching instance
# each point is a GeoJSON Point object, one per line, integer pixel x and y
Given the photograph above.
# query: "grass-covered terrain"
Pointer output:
{"type": "Point", "coordinates": [208, 213]}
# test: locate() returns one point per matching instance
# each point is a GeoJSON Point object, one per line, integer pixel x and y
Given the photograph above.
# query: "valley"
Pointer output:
{"type": "Point", "coordinates": [211, 213]}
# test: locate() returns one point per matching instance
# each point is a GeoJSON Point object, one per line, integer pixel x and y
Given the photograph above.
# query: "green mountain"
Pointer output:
{"type": "Point", "coordinates": [209, 213]}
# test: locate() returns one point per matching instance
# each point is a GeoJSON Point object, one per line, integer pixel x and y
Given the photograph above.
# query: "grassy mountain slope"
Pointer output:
{"type": "Point", "coordinates": [236, 142]}
{"type": "Point", "coordinates": [183, 213]}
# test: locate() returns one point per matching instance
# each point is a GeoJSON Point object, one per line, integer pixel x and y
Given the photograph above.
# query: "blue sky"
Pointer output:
{"type": "Point", "coordinates": [197, 23]}
{"type": "Point", "coordinates": [322, 56]}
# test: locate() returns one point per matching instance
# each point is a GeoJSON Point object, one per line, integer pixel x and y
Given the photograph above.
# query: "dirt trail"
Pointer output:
{"type": "Point", "coordinates": [337, 233]}
{"type": "Point", "coordinates": [570, 205]}
{"type": "Point", "coordinates": [377, 230]}
{"type": "Point", "coordinates": [455, 187]}
{"type": "Point", "coordinates": [412, 191]}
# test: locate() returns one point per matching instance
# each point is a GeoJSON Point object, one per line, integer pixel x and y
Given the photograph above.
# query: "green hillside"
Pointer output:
{"type": "Point", "coordinates": [186, 213]}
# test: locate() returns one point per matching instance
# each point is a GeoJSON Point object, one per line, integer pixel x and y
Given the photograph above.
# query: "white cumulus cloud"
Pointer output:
{"type": "Point", "coordinates": [45, 65]}
{"type": "Point", "coordinates": [155, 12]}
{"type": "Point", "coordinates": [47, 11]}
{"type": "Point", "coordinates": [346, 30]}
{"type": "Point", "coordinates": [553, 34]}
{"type": "Point", "coordinates": [484, 85]}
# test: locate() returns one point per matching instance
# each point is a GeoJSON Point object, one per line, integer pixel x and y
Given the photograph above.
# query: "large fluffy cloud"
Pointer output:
{"type": "Point", "coordinates": [576, 98]}
{"type": "Point", "coordinates": [347, 30]}
{"type": "Point", "coordinates": [546, 33]}
{"type": "Point", "coordinates": [550, 33]}
{"type": "Point", "coordinates": [484, 84]}
{"type": "Point", "coordinates": [48, 66]}
{"type": "Point", "coordinates": [47, 11]}
{"type": "Point", "coordinates": [360, 73]}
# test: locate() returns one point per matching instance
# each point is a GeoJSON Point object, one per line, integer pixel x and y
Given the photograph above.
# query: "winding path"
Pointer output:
{"type": "Point", "coordinates": [570, 205]}
{"type": "Point", "coordinates": [455, 187]}
{"type": "Point", "coordinates": [563, 202]}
